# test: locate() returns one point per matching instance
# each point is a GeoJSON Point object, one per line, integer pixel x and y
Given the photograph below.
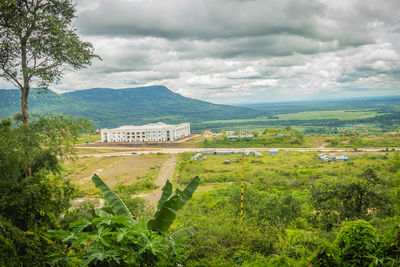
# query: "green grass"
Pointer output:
{"type": "Point", "coordinates": [330, 114]}
{"type": "Point", "coordinates": [91, 138]}
{"type": "Point", "coordinates": [280, 223]}
{"type": "Point", "coordinates": [285, 168]}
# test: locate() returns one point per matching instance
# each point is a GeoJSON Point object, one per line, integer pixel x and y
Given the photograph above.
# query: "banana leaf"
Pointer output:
{"type": "Point", "coordinates": [166, 213]}
{"type": "Point", "coordinates": [117, 206]}
{"type": "Point", "coordinates": [183, 233]}
{"type": "Point", "coordinates": [189, 190]}
{"type": "Point", "coordinates": [166, 193]}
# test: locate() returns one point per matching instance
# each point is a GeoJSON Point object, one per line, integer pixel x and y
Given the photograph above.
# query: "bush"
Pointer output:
{"type": "Point", "coordinates": [357, 242]}
{"type": "Point", "coordinates": [326, 255]}
{"type": "Point", "coordinates": [115, 240]}
{"type": "Point", "coordinates": [344, 198]}
{"type": "Point", "coordinates": [29, 248]}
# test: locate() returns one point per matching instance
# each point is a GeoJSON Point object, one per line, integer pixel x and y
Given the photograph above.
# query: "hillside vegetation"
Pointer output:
{"type": "Point", "coordinates": [298, 210]}
{"type": "Point", "coordinates": [113, 108]}
{"type": "Point", "coordinates": [109, 108]}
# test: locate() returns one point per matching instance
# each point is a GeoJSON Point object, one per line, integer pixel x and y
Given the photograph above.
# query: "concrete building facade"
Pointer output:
{"type": "Point", "coordinates": [154, 132]}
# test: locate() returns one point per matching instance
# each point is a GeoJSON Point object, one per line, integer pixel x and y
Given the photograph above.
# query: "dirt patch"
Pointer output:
{"type": "Point", "coordinates": [112, 170]}
{"type": "Point", "coordinates": [166, 173]}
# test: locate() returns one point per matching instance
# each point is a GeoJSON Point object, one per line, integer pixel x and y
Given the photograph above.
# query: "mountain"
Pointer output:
{"type": "Point", "coordinates": [115, 107]}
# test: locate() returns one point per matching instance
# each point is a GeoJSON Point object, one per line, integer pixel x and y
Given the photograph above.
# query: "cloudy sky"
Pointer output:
{"type": "Point", "coordinates": [230, 51]}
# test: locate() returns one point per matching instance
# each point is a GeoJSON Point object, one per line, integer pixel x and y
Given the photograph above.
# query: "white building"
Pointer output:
{"type": "Point", "coordinates": [154, 132]}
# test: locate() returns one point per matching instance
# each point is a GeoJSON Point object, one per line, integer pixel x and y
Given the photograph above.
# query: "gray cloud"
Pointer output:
{"type": "Point", "coordinates": [242, 50]}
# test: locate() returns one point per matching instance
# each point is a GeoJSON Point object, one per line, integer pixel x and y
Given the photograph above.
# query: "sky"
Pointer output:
{"type": "Point", "coordinates": [242, 51]}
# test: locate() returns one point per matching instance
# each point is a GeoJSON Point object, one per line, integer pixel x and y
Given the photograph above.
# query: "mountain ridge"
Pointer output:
{"type": "Point", "coordinates": [110, 108]}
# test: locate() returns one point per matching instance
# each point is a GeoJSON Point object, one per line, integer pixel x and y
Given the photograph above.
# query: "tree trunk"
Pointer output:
{"type": "Point", "coordinates": [25, 89]}
{"type": "Point", "coordinates": [24, 100]}
{"type": "Point", "coordinates": [24, 104]}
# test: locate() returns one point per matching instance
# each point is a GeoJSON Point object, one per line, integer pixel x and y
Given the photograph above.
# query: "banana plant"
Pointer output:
{"type": "Point", "coordinates": [116, 204]}
{"type": "Point", "coordinates": [169, 203]}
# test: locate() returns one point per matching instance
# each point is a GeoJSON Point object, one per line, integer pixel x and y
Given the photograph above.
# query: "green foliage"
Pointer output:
{"type": "Point", "coordinates": [115, 240]}
{"type": "Point", "coordinates": [40, 32]}
{"type": "Point", "coordinates": [32, 192]}
{"type": "Point", "coordinates": [281, 226]}
{"type": "Point", "coordinates": [117, 206]}
{"type": "Point", "coordinates": [37, 42]}
{"type": "Point", "coordinates": [326, 255]}
{"type": "Point", "coordinates": [24, 248]}
{"type": "Point", "coordinates": [357, 240]}
{"type": "Point", "coordinates": [278, 209]}
{"type": "Point", "coordinates": [143, 184]}
{"type": "Point", "coordinates": [343, 198]}
{"type": "Point", "coordinates": [169, 204]}
{"type": "Point", "coordinates": [119, 238]}
{"type": "Point", "coordinates": [287, 137]}
{"type": "Point", "coordinates": [395, 162]}
{"type": "Point", "coordinates": [85, 211]}
{"type": "Point", "coordinates": [156, 100]}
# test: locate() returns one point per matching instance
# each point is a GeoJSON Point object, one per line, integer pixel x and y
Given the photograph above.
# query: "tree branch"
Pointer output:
{"type": "Point", "coordinates": [12, 78]}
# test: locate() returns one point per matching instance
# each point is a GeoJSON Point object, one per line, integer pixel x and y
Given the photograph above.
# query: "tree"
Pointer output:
{"type": "Point", "coordinates": [36, 42]}
{"type": "Point", "coordinates": [39, 196]}
{"type": "Point", "coordinates": [31, 201]}
{"type": "Point", "coordinates": [350, 198]}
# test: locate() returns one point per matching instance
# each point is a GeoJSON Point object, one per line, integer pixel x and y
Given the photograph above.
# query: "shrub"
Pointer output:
{"type": "Point", "coordinates": [115, 240]}
{"type": "Point", "coordinates": [357, 242]}
{"type": "Point", "coordinates": [326, 255]}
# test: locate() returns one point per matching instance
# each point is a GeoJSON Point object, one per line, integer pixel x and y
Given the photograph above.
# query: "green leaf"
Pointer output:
{"type": "Point", "coordinates": [101, 213]}
{"type": "Point", "coordinates": [183, 233]}
{"type": "Point", "coordinates": [118, 207]}
{"type": "Point", "coordinates": [189, 190]}
{"type": "Point", "coordinates": [166, 213]}
{"type": "Point", "coordinates": [166, 193]}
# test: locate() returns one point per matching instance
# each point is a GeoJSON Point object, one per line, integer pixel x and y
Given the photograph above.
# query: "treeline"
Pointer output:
{"type": "Point", "coordinates": [385, 121]}
{"type": "Point", "coordinates": [271, 137]}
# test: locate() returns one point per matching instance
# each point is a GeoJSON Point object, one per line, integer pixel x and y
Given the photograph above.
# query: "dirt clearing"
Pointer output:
{"type": "Point", "coordinates": [112, 170]}
{"type": "Point", "coordinates": [166, 173]}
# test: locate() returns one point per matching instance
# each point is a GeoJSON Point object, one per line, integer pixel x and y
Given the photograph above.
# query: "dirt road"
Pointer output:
{"type": "Point", "coordinates": [180, 150]}
{"type": "Point", "coordinates": [166, 173]}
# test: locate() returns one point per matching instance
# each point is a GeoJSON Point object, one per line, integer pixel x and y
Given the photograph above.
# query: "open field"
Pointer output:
{"type": "Point", "coordinates": [125, 170]}
{"type": "Point", "coordinates": [330, 114]}
{"type": "Point", "coordinates": [91, 138]}
{"type": "Point", "coordinates": [286, 167]}
{"type": "Point", "coordinates": [280, 213]}
{"type": "Point", "coordinates": [283, 224]}
{"type": "Point", "coordinates": [308, 115]}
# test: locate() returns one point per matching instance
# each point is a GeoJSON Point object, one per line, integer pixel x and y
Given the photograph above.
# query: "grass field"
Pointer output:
{"type": "Point", "coordinates": [331, 114]}
{"type": "Point", "coordinates": [309, 115]}
{"type": "Point", "coordinates": [279, 216]}
{"type": "Point", "coordinates": [285, 168]}
{"type": "Point", "coordinates": [91, 138]}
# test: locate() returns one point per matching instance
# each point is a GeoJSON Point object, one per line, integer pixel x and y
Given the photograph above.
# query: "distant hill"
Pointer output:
{"type": "Point", "coordinates": [115, 107]}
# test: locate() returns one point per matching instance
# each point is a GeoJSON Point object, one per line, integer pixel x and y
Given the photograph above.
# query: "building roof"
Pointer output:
{"type": "Point", "coordinates": [207, 133]}
{"type": "Point", "coordinates": [158, 125]}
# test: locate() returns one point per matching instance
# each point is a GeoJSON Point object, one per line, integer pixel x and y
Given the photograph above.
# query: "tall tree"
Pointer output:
{"type": "Point", "coordinates": [36, 42]}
